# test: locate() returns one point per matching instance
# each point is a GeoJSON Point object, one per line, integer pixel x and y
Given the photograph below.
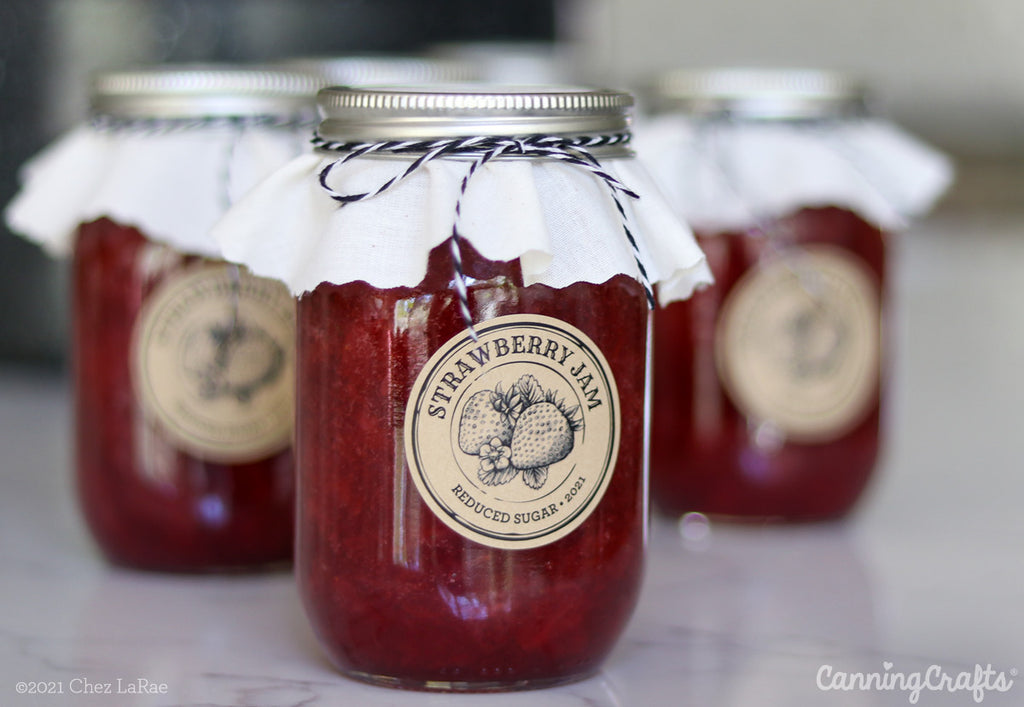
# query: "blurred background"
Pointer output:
{"type": "Point", "coordinates": [950, 72]}
{"type": "Point", "coordinates": [929, 571]}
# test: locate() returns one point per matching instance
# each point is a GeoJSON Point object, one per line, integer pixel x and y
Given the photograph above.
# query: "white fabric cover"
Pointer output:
{"type": "Point", "coordinates": [728, 175]}
{"type": "Point", "coordinates": [172, 185]}
{"type": "Point", "coordinates": [558, 219]}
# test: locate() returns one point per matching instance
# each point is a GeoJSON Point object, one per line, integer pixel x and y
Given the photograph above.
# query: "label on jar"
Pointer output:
{"type": "Point", "coordinates": [512, 440]}
{"type": "Point", "coordinates": [212, 363]}
{"type": "Point", "coordinates": [797, 342]}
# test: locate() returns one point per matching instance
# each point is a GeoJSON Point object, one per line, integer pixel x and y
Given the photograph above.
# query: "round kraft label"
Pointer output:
{"type": "Point", "coordinates": [213, 361]}
{"type": "Point", "coordinates": [798, 341]}
{"type": "Point", "coordinates": [512, 440]}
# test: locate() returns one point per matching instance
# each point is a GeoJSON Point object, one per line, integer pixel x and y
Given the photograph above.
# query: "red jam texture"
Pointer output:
{"type": "Point", "coordinates": [704, 453]}
{"type": "Point", "coordinates": [149, 504]}
{"type": "Point", "coordinates": [396, 596]}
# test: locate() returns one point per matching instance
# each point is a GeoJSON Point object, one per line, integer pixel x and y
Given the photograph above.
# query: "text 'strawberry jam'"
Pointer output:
{"type": "Point", "coordinates": [183, 364]}
{"type": "Point", "coordinates": [767, 392]}
{"type": "Point", "coordinates": [470, 403]}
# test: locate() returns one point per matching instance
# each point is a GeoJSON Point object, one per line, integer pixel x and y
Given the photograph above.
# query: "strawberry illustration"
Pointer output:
{"type": "Point", "coordinates": [522, 429]}
{"type": "Point", "coordinates": [488, 415]}
{"type": "Point", "coordinates": [543, 435]}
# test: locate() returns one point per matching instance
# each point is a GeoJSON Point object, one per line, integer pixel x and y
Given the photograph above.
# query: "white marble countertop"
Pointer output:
{"type": "Point", "coordinates": [928, 572]}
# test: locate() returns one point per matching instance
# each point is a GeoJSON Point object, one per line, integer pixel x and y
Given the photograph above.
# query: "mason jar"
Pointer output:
{"type": "Point", "coordinates": [768, 386]}
{"type": "Point", "coordinates": [182, 364]}
{"type": "Point", "coordinates": [472, 346]}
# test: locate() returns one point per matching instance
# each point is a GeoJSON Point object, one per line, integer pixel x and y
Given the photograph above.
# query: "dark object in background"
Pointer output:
{"type": "Point", "coordinates": [32, 317]}
{"type": "Point", "coordinates": [49, 47]}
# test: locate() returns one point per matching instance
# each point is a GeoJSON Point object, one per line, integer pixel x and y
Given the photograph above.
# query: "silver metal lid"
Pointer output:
{"type": "Point", "coordinates": [384, 69]}
{"type": "Point", "coordinates": [203, 91]}
{"type": "Point", "coordinates": [399, 113]}
{"type": "Point", "coordinates": [759, 94]}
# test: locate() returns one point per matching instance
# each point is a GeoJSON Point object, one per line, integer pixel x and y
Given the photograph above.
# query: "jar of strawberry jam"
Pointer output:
{"type": "Point", "coordinates": [768, 385]}
{"type": "Point", "coordinates": [471, 373]}
{"type": "Point", "coordinates": [182, 363]}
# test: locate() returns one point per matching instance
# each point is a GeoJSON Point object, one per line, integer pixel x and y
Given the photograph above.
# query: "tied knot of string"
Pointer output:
{"type": "Point", "coordinates": [483, 149]}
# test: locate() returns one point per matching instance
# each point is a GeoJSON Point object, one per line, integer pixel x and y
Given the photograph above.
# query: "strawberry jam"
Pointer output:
{"type": "Point", "coordinates": [395, 591]}
{"type": "Point", "coordinates": [152, 498]}
{"type": "Point", "coordinates": [766, 448]}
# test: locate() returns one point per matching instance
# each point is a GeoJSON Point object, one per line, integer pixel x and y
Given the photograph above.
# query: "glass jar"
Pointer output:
{"type": "Point", "coordinates": [470, 401]}
{"type": "Point", "coordinates": [768, 385]}
{"type": "Point", "coordinates": [182, 363]}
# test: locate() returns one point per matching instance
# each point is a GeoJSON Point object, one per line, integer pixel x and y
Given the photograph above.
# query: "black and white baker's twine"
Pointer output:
{"type": "Point", "coordinates": [571, 150]}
